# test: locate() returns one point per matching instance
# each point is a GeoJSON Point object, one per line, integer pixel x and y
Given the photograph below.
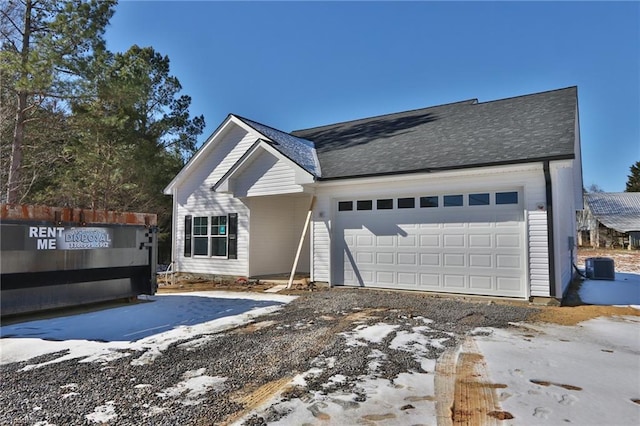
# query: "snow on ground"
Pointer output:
{"type": "Point", "coordinates": [585, 374]}
{"type": "Point", "coordinates": [407, 399]}
{"type": "Point", "coordinates": [148, 327]}
{"type": "Point", "coordinates": [546, 374]}
{"type": "Point", "coordinates": [625, 290]}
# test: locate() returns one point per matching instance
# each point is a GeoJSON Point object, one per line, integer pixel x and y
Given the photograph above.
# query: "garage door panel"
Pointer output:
{"type": "Point", "coordinates": [455, 225]}
{"type": "Point", "coordinates": [365, 258]}
{"type": "Point", "coordinates": [508, 241]}
{"type": "Point", "coordinates": [429, 240]}
{"type": "Point", "coordinates": [508, 261]}
{"type": "Point", "coordinates": [455, 282]}
{"type": "Point", "coordinates": [385, 241]}
{"type": "Point", "coordinates": [407, 279]}
{"type": "Point", "coordinates": [408, 241]}
{"type": "Point", "coordinates": [430, 259]}
{"type": "Point", "coordinates": [454, 240]}
{"type": "Point", "coordinates": [368, 277]}
{"type": "Point", "coordinates": [385, 258]}
{"type": "Point", "coordinates": [481, 225]}
{"type": "Point", "coordinates": [506, 284]}
{"type": "Point", "coordinates": [385, 277]}
{"type": "Point", "coordinates": [365, 240]}
{"type": "Point", "coordinates": [410, 259]}
{"type": "Point", "coordinates": [430, 226]}
{"type": "Point", "coordinates": [480, 282]}
{"type": "Point", "coordinates": [480, 241]}
{"type": "Point", "coordinates": [480, 260]}
{"type": "Point", "coordinates": [430, 280]}
{"type": "Point", "coordinates": [452, 260]}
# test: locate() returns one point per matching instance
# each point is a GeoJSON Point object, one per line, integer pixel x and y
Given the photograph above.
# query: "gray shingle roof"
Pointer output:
{"type": "Point", "coordinates": [616, 210]}
{"type": "Point", "coordinates": [297, 149]}
{"type": "Point", "coordinates": [464, 134]}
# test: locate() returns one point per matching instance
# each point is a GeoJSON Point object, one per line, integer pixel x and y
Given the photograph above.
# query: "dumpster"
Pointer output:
{"type": "Point", "coordinates": [54, 257]}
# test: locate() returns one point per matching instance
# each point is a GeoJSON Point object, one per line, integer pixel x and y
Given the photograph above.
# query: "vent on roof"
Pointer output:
{"type": "Point", "coordinates": [600, 268]}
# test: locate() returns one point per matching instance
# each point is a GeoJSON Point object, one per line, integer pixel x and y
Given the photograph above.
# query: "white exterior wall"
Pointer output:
{"type": "Point", "coordinates": [538, 253]}
{"type": "Point", "coordinates": [266, 175]}
{"type": "Point", "coordinates": [562, 178]}
{"type": "Point", "coordinates": [527, 178]}
{"type": "Point", "coordinates": [195, 197]}
{"type": "Point", "coordinates": [276, 226]}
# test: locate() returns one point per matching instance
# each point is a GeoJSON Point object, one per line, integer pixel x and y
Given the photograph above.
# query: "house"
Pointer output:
{"type": "Point", "coordinates": [610, 219]}
{"type": "Point", "coordinates": [469, 197]}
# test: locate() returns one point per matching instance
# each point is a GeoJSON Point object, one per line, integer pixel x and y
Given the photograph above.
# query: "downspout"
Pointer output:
{"type": "Point", "coordinates": [550, 232]}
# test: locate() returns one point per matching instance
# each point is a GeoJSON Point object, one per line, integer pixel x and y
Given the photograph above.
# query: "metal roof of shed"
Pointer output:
{"type": "Point", "coordinates": [616, 210]}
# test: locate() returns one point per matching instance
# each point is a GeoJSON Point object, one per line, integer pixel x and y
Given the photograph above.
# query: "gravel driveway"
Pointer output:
{"type": "Point", "coordinates": [245, 366]}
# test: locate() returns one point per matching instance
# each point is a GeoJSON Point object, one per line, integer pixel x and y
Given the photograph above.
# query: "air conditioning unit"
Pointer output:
{"type": "Point", "coordinates": [600, 268]}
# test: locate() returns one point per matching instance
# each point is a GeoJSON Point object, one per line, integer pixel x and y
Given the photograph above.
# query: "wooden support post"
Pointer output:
{"type": "Point", "coordinates": [301, 243]}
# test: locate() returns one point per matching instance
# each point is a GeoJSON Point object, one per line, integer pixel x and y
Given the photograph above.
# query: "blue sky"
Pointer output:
{"type": "Point", "coordinates": [294, 65]}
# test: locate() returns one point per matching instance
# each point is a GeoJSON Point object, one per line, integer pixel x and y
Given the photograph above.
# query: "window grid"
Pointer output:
{"type": "Point", "coordinates": [457, 200]}
{"type": "Point", "coordinates": [210, 241]}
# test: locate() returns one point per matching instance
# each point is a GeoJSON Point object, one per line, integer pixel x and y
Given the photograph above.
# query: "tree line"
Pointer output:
{"type": "Point", "coordinates": [81, 126]}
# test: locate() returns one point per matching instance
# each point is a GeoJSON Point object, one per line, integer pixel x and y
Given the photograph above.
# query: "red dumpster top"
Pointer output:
{"type": "Point", "coordinates": [80, 216]}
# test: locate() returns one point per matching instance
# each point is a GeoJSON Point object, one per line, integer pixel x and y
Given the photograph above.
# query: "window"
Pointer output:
{"type": "Point", "coordinates": [219, 236]}
{"type": "Point", "coordinates": [364, 205]}
{"type": "Point", "coordinates": [200, 236]}
{"type": "Point", "coordinates": [345, 206]}
{"type": "Point", "coordinates": [507, 197]}
{"type": "Point", "coordinates": [406, 203]}
{"type": "Point", "coordinates": [431, 201]}
{"type": "Point", "coordinates": [385, 204]}
{"type": "Point", "coordinates": [453, 200]}
{"type": "Point", "coordinates": [479, 199]}
{"type": "Point", "coordinates": [214, 236]}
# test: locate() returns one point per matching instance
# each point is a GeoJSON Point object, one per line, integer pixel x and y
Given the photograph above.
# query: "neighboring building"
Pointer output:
{"type": "Point", "coordinates": [610, 219]}
{"type": "Point", "coordinates": [469, 197]}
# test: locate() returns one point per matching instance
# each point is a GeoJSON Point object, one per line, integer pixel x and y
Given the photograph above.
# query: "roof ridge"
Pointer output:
{"type": "Point", "coordinates": [471, 101]}
{"type": "Point", "coordinates": [257, 122]}
{"type": "Point", "coordinates": [528, 94]}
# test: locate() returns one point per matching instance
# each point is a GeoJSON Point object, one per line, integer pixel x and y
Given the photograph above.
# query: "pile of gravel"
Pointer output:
{"type": "Point", "coordinates": [303, 334]}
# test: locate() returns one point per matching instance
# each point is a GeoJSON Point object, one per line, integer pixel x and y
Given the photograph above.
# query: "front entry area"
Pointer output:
{"type": "Point", "coordinates": [459, 243]}
{"type": "Point", "coordinates": [275, 228]}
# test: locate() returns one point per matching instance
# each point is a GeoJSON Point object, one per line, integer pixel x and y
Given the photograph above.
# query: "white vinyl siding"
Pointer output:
{"type": "Point", "coordinates": [565, 223]}
{"type": "Point", "coordinates": [222, 205]}
{"type": "Point", "coordinates": [194, 197]}
{"type": "Point", "coordinates": [266, 175]}
{"type": "Point", "coordinates": [538, 254]}
{"type": "Point", "coordinates": [321, 240]}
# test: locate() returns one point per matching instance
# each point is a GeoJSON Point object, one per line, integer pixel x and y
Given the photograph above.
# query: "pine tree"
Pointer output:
{"type": "Point", "coordinates": [45, 46]}
{"type": "Point", "coordinates": [633, 182]}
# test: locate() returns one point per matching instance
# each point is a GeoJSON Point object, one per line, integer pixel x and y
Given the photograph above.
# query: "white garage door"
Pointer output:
{"type": "Point", "coordinates": [459, 243]}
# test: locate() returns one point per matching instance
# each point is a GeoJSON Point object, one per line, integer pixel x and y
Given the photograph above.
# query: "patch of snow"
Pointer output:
{"type": "Point", "coordinates": [103, 413]}
{"type": "Point", "coordinates": [196, 343]}
{"type": "Point", "coordinates": [624, 291]}
{"type": "Point", "coordinates": [406, 400]}
{"type": "Point", "coordinates": [563, 374]}
{"type": "Point", "coordinates": [69, 395]}
{"type": "Point", "coordinates": [142, 386]}
{"type": "Point", "coordinates": [368, 333]}
{"type": "Point", "coordinates": [335, 379]}
{"type": "Point", "coordinates": [178, 316]}
{"type": "Point", "coordinates": [194, 385]}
